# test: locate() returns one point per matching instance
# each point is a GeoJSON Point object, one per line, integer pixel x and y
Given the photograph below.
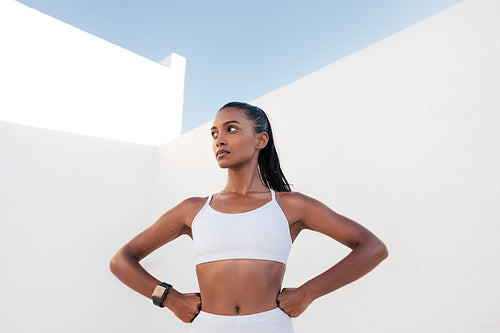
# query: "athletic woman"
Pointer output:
{"type": "Point", "coordinates": [242, 237]}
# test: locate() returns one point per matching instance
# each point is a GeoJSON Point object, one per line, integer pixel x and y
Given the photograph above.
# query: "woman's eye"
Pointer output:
{"type": "Point", "coordinates": [213, 134]}
{"type": "Point", "coordinates": [231, 127]}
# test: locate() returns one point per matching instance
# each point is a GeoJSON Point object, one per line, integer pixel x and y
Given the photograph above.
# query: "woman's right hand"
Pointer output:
{"type": "Point", "coordinates": [185, 306]}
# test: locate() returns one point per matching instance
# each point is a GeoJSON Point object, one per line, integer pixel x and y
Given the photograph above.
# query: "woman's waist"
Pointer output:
{"type": "Point", "coordinates": [274, 313]}
{"type": "Point", "coordinates": [239, 296]}
{"type": "Point", "coordinates": [232, 306]}
{"type": "Point", "coordinates": [239, 286]}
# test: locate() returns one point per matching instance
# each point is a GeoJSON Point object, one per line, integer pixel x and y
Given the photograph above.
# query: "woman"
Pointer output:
{"type": "Point", "coordinates": [242, 237]}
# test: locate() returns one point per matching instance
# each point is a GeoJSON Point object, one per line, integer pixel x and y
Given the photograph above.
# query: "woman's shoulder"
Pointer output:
{"type": "Point", "coordinates": [293, 197]}
{"type": "Point", "coordinates": [191, 203]}
{"type": "Point", "coordinates": [293, 204]}
{"type": "Point", "coordinates": [297, 202]}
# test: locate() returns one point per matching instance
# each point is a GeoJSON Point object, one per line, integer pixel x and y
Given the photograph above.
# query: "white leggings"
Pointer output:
{"type": "Point", "coordinates": [272, 321]}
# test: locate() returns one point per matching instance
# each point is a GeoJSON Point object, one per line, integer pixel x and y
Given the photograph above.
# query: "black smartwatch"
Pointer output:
{"type": "Point", "coordinates": [160, 292]}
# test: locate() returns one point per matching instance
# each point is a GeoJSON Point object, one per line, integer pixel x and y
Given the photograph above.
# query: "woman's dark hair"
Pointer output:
{"type": "Point", "coordinates": [269, 164]}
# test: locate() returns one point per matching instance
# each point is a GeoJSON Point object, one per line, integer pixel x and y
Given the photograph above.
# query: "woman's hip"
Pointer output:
{"type": "Point", "coordinates": [275, 321]}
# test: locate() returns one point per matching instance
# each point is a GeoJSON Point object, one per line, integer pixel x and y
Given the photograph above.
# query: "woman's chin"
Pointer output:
{"type": "Point", "coordinates": [223, 165]}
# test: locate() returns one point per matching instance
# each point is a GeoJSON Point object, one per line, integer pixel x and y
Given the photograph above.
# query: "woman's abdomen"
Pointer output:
{"type": "Point", "coordinates": [239, 286]}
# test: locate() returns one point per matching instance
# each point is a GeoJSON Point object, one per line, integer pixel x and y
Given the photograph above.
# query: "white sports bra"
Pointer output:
{"type": "Point", "coordinates": [262, 233]}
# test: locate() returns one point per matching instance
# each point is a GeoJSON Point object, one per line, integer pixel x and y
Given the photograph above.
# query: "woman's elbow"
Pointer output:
{"type": "Point", "coordinates": [118, 261]}
{"type": "Point", "coordinates": [375, 248]}
{"type": "Point", "coordinates": [114, 263]}
{"type": "Point", "coordinates": [381, 250]}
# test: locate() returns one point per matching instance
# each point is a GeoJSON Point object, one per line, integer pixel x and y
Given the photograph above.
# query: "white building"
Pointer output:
{"type": "Point", "coordinates": [58, 77]}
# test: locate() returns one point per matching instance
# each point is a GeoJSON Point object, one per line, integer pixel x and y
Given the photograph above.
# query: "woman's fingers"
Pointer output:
{"type": "Point", "coordinates": [185, 306]}
{"type": "Point", "coordinates": [292, 301]}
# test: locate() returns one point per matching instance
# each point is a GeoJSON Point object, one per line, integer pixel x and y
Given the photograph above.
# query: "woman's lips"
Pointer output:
{"type": "Point", "coordinates": [222, 153]}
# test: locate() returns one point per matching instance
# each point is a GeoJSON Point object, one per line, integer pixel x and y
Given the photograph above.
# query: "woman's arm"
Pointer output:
{"type": "Point", "coordinates": [125, 263]}
{"type": "Point", "coordinates": [367, 252]}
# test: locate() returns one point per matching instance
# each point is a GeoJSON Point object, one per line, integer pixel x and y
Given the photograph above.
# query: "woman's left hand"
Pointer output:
{"type": "Point", "coordinates": [293, 301]}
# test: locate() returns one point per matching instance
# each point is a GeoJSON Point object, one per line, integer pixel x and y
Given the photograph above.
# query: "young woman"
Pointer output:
{"type": "Point", "coordinates": [242, 237]}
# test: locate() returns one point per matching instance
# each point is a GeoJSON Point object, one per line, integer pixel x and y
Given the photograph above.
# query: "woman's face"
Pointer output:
{"type": "Point", "coordinates": [234, 139]}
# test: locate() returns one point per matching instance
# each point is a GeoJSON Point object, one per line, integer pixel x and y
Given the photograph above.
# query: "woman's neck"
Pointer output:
{"type": "Point", "coordinates": [242, 181]}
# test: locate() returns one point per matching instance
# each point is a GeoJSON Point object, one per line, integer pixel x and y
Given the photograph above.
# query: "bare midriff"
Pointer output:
{"type": "Point", "coordinates": [239, 286]}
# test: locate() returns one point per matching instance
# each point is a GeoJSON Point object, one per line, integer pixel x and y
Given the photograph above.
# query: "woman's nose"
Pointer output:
{"type": "Point", "coordinates": [220, 140]}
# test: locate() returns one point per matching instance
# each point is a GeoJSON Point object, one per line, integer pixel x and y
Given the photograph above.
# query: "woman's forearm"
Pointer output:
{"type": "Point", "coordinates": [362, 259]}
{"type": "Point", "coordinates": [125, 266]}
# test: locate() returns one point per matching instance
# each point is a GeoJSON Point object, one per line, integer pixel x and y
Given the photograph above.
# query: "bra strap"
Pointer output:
{"type": "Point", "coordinates": [273, 196]}
{"type": "Point", "coordinates": [208, 200]}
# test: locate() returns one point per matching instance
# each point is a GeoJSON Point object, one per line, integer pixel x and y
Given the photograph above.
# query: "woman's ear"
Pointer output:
{"type": "Point", "coordinates": [262, 140]}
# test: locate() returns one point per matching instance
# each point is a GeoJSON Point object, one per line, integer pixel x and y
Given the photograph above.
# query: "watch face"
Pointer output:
{"type": "Point", "coordinates": [158, 292]}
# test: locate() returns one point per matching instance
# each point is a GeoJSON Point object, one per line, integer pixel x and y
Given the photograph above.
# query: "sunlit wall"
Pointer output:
{"type": "Point", "coordinates": [401, 137]}
{"type": "Point", "coordinates": [55, 76]}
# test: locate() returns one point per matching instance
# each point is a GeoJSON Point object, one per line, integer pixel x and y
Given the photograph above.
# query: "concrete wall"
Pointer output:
{"type": "Point", "coordinates": [67, 203]}
{"type": "Point", "coordinates": [401, 137]}
{"type": "Point", "coordinates": [58, 77]}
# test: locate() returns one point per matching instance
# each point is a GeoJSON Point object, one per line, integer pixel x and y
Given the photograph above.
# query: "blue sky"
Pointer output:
{"type": "Point", "coordinates": [240, 50]}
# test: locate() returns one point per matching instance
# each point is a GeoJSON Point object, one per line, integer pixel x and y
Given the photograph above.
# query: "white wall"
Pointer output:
{"type": "Point", "coordinates": [56, 76]}
{"type": "Point", "coordinates": [401, 137]}
{"type": "Point", "coordinates": [67, 203]}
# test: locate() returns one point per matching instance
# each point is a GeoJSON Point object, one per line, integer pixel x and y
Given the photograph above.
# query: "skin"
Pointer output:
{"type": "Point", "coordinates": [246, 286]}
